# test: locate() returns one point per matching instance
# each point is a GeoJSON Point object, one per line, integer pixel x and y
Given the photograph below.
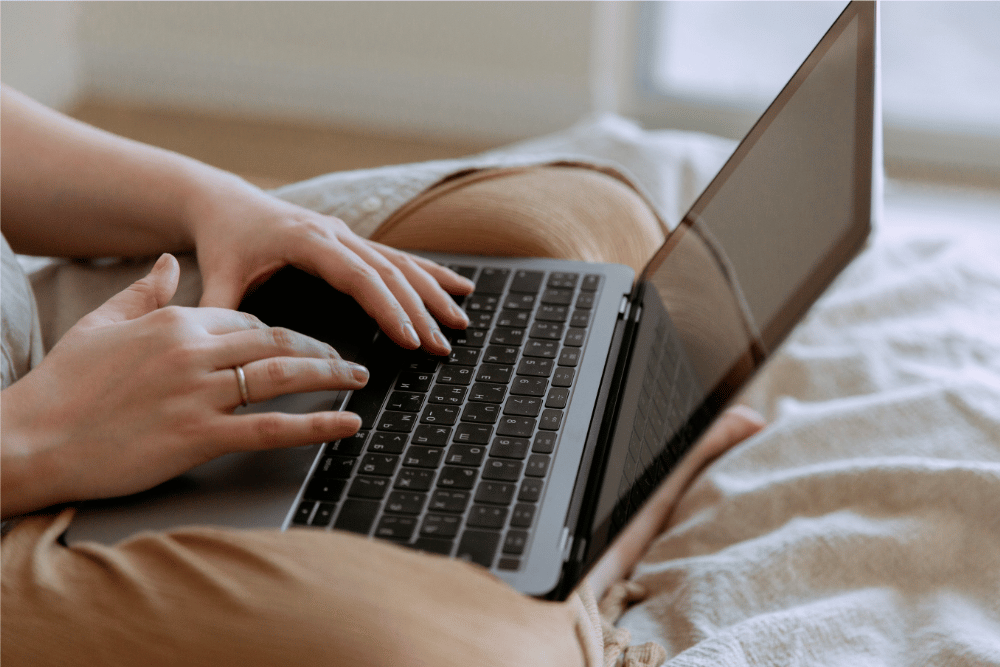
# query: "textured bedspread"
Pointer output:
{"type": "Point", "coordinates": [863, 525]}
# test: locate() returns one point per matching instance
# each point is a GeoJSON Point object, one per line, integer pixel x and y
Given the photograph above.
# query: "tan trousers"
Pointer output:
{"type": "Point", "coordinates": [207, 596]}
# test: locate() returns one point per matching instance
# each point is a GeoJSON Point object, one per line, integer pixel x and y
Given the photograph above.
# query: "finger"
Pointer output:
{"type": "Point", "coordinates": [270, 430]}
{"type": "Point", "coordinates": [242, 347]}
{"type": "Point", "coordinates": [221, 321]}
{"type": "Point", "coordinates": [451, 282]}
{"type": "Point", "coordinates": [426, 326]}
{"type": "Point", "coordinates": [734, 426]}
{"type": "Point", "coordinates": [221, 291]}
{"type": "Point", "coordinates": [141, 297]}
{"type": "Point", "coordinates": [343, 268]}
{"type": "Point", "coordinates": [434, 296]}
{"type": "Point", "coordinates": [277, 376]}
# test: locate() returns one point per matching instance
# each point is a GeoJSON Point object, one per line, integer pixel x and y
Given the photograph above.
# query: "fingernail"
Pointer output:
{"type": "Point", "coordinates": [161, 262]}
{"type": "Point", "coordinates": [359, 372]}
{"type": "Point", "coordinates": [441, 340]}
{"type": "Point", "coordinates": [460, 314]}
{"type": "Point", "coordinates": [411, 333]}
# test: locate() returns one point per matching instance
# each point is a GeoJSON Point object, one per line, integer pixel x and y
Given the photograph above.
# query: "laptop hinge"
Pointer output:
{"type": "Point", "coordinates": [566, 544]}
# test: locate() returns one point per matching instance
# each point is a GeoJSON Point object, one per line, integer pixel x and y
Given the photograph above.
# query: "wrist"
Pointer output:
{"type": "Point", "coordinates": [29, 476]}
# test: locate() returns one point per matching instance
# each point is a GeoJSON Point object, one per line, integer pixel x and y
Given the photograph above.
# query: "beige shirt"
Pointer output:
{"type": "Point", "coordinates": [22, 337]}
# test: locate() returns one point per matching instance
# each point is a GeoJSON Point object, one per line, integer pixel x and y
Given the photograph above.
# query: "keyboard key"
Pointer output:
{"type": "Point", "coordinates": [323, 515]}
{"type": "Point", "coordinates": [464, 271]}
{"type": "Point", "coordinates": [526, 281]}
{"type": "Point", "coordinates": [546, 330]}
{"type": "Point", "coordinates": [434, 545]}
{"type": "Point", "coordinates": [500, 354]}
{"type": "Point", "coordinates": [456, 375]}
{"type": "Point", "coordinates": [529, 386]}
{"type": "Point", "coordinates": [514, 318]}
{"type": "Point", "coordinates": [357, 516]}
{"type": "Point", "coordinates": [570, 356]}
{"type": "Point", "coordinates": [450, 500]}
{"type": "Point", "coordinates": [414, 479]}
{"type": "Point", "coordinates": [464, 356]}
{"type": "Point", "coordinates": [396, 527]}
{"type": "Point", "coordinates": [509, 563]}
{"type": "Point", "coordinates": [413, 381]}
{"type": "Point", "coordinates": [575, 337]}
{"type": "Point", "coordinates": [515, 542]}
{"type": "Point", "coordinates": [521, 427]}
{"type": "Point", "coordinates": [427, 434]}
{"type": "Point", "coordinates": [440, 414]}
{"type": "Point", "coordinates": [348, 446]}
{"type": "Point", "coordinates": [507, 336]}
{"type": "Point", "coordinates": [545, 443]}
{"type": "Point", "coordinates": [549, 313]}
{"type": "Point", "coordinates": [524, 514]}
{"type": "Point", "coordinates": [531, 490]}
{"type": "Point", "coordinates": [405, 401]}
{"type": "Point", "coordinates": [546, 349]}
{"type": "Point", "coordinates": [557, 297]}
{"type": "Point", "coordinates": [495, 493]}
{"type": "Point", "coordinates": [447, 394]}
{"type": "Point", "coordinates": [504, 470]}
{"type": "Point", "coordinates": [329, 490]}
{"type": "Point", "coordinates": [509, 448]}
{"type": "Point", "coordinates": [303, 513]}
{"type": "Point", "coordinates": [378, 464]}
{"type": "Point", "coordinates": [483, 413]}
{"type": "Point", "coordinates": [484, 318]}
{"type": "Point", "coordinates": [465, 455]}
{"type": "Point", "coordinates": [405, 502]}
{"type": "Point", "coordinates": [487, 516]}
{"type": "Point", "coordinates": [550, 420]}
{"type": "Point", "coordinates": [535, 367]}
{"type": "Point", "coordinates": [524, 406]}
{"type": "Point", "coordinates": [473, 434]}
{"type": "Point", "coordinates": [481, 302]}
{"type": "Point", "coordinates": [336, 466]}
{"type": "Point", "coordinates": [562, 279]}
{"type": "Point", "coordinates": [580, 318]}
{"type": "Point", "coordinates": [387, 443]}
{"type": "Point", "coordinates": [558, 397]}
{"type": "Point", "coordinates": [419, 456]}
{"type": "Point", "coordinates": [519, 302]}
{"type": "Point", "coordinates": [457, 478]}
{"type": "Point", "coordinates": [401, 422]}
{"type": "Point", "coordinates": [563, 377]}
{"type": "Point", "coordinates": [585, 300]}
{"type": "Point", "coordinates": [538, 465]}
{"type": "Point", "coordinates": [468, 337]}
{"type": "Point", "coordinates": [440, 525]}
{"type": "Point", "coordinates": [491, 281]}
{"type": "Point", "coordinates": [478, 546]}
{"type": "Point", "coordinates": [369, 487]}
{"type": "Point", "coordinates": [487, 392]}
{"type": "Point", "coordinates": [590, 282]}
{"type": "Point", "coordinates": [367, 402]}
{"type": "Point", "coordinates": [494, 373]}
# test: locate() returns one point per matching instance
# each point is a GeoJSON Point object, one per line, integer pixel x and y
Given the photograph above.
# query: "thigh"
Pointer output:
{"type": "Point", "coordinates": [204, 596]}
{"type": "Point", "coordinates": [545, 211]}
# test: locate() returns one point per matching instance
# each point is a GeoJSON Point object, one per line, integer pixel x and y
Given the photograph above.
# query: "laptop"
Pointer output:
{"type": "Point", "coordinates": [577, 387]}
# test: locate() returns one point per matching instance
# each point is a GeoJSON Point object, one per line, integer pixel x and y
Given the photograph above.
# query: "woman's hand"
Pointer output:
{"type": "Point", "coordinates": [243, 235]}
{"type": "Point", "coordinates": [137, 393]}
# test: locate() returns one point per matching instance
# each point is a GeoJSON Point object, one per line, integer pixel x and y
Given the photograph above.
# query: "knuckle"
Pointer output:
{"type": "Point", "coordinates": [269, 429]}
{"type": "Point", "coordinates": [282, 338]}
{"type": "Point", "coordinates": [278, 371]}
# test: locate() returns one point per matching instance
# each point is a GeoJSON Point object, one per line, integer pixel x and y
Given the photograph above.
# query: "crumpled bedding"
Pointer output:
{"type": "Point", "coordinates": [862, 526]}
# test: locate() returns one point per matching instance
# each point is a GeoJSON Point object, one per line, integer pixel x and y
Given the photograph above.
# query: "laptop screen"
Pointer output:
{"type": "Point", "coordinates": [784, 213]}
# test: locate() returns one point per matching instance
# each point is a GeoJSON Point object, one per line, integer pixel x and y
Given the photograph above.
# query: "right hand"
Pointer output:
{"type": "Point", "coordinates": [137, 392]}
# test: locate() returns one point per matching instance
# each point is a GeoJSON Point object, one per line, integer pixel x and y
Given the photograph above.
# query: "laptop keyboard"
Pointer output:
{"type": "Point", "coordinates": [453, 453]}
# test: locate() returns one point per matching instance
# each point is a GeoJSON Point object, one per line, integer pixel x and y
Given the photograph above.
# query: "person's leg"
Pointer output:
{"type": "Point", "coordinates": [545, 211]}
{"type": "Point", "coordinates": [209, 596]}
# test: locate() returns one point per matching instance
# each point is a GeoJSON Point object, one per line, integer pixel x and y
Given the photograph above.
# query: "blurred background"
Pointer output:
{"type": "Point", "coordinates": [281, 91]}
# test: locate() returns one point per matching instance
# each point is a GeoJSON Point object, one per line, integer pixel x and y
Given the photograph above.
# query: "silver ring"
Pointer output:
{"type": "Point", "coordinates": [241, 379]}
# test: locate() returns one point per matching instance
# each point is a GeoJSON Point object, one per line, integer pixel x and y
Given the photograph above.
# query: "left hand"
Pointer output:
{"type": "Point", "coordinates": [245, 235]}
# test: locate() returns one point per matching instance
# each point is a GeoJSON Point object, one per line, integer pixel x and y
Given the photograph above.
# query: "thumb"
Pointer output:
{"type": "Point", "coordinates": [219, 291]}
{"type": "Point", "coordinates": [143, 296]}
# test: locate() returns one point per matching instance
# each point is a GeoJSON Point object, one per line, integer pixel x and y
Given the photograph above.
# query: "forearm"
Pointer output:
{"type": "Point", "coordinates": [71, 190]}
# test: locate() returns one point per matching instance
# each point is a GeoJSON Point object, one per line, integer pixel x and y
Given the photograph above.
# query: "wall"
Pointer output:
{"type": "Point", "coordinates": [459, 69]}
{"type": "Point", "coordinates": [40, 50]}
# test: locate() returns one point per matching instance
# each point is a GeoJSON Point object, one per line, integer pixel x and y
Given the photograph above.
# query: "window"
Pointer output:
{"type": "Point", "coordinates": [714, 66]}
